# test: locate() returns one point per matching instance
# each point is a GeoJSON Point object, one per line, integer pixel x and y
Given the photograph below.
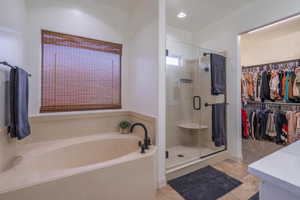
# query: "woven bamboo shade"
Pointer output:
{"type": "Point", "coordinates": [79, 73]}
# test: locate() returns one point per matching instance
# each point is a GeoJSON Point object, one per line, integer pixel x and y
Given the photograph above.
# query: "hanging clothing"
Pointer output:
{"type": "Point", "coordinates": [297, 132]}
{"type": "Point", "coordinates": [249, 114]}
{"type": "Point", "coordinates": [280, 127]}
{"type": "Point", "coordinates": [250, 117]}
{"type": "Point", "coordinates": [283, 80]}
{"type": "Point", "coordinates": [296, 86]}
{"type": "Point", "coordinates": [292, 124]}
{"type": "Point", "coordinates": [265, 124]}
{"type": "Point", "coordinates": [265, 88]}
{"type": "Point", "coordinates": [274, 89]}
{"type": "Point", "coordinates": [250, 85]}
{"type": "Point", "coordinates": [245, 123]}
{"type": "Point", "coordinates": [258, 86]}
{"type": "Point", "coordinates": [286, 87]}
{"type": "Point", "coordinates": [280, 76]}
{"type": "Point", "coordinates": [254, 78]}
{"type": "Point", "coordinates": [291, 84]}
{"type": "Point", "coordinates": [271, 85]}
{"type": "Point", "coordinates": [262, 121]}
{"type": "Point", "coordinates": [271, 132]}
{"type": "Point", "coordinates": [244, 87]}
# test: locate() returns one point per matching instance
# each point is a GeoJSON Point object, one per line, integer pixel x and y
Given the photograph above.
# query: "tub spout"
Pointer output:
{"type": "Point", "coordinates": [147, 140]}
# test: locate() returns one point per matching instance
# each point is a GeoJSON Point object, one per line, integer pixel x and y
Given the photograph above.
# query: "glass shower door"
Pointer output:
{"type": "Point", "coordinates": [188, 122]}
{"type": "Point", "coordinates": [203, 88]}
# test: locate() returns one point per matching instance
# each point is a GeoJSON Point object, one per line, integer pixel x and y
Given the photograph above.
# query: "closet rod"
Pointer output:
{"type": "Point", "coordinates": [8, 65]}
{"type": "Point", "coordinates": [273, 63]}
{"type": "Point", "coordinates": [274, 103]}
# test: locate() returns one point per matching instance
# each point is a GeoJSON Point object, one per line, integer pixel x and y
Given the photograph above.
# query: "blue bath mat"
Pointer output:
{"type": "Point", "coordinates": [255, 197]}
{"type": "Point", "coordinates": [205, 184]}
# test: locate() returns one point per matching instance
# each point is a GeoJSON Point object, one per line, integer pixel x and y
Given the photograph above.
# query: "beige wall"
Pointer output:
{"type": "Point", "coordinates": [143, 58]}
{"type": "Point", "coordinates": [267, 47]}
{"type": "Point", "coordinates": [94, 19]}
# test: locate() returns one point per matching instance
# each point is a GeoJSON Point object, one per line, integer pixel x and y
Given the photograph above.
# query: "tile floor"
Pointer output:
{"type": "Point", "coordinates": [232, 168]}
{"type": "Point", "coordinates": [254, 150]}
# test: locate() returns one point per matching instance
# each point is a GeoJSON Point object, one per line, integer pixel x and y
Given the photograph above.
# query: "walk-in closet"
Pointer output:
{"type": "Point", "coordinates": [270, 89]}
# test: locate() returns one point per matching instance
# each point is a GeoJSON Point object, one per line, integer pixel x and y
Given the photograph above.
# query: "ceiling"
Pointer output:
{"type": "Point", "coordinates": [200, 13]}
{"type": "Point", "coordinates": [126, 4]}
{"type": "Point", "coordinates": [275, 31]}
{"type": "Point", "coordinates": [122, 4]}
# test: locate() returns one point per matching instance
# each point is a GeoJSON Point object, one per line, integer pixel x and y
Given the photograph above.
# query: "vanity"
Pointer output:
{"type": "Point", "coordinates": [280, 174]}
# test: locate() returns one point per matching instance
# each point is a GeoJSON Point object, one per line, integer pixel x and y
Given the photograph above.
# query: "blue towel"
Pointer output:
{"type": "Point", "coordinates": [218, 124]}
{"type": "Point", "coordinates": [218, 74]}
{"type": "Point", "coordinates": [19, 91]}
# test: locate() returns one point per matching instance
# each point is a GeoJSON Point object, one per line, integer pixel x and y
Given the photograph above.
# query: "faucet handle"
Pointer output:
{"type": "Point", "coordinates": [143, 149]}
{"type": "Point", "coordinates": [149, 141]}
{"type": "Point", "coordinates": [140, 143]}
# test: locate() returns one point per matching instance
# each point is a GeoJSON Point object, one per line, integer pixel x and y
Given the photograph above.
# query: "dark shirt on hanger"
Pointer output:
{"type": "Point", "coordinates": [280, 121]}
{"type": "Point", "coordinates": [265, 87]}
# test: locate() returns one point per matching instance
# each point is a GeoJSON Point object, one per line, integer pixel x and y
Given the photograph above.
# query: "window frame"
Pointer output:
{"type": "Point", "coordinates": [86, 107]}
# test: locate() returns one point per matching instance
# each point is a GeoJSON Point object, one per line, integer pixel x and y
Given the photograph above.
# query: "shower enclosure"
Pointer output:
{"type": "Point", "coordinates": [189, 100]}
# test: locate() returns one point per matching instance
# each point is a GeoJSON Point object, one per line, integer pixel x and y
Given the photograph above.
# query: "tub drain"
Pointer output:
{"type": "Point", "coordinates": [180, 155]}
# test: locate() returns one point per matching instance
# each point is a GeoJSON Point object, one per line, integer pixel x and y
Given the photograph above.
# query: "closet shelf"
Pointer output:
{"type": "Point", "coordinates": [191, 126]}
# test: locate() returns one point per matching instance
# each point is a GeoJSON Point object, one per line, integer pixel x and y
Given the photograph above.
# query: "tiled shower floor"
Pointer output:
{"type": "Point", "coordinates": [179, 155]}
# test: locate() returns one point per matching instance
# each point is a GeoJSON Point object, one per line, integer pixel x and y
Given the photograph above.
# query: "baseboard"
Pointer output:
{"type": "Point", "coordinates": [162, 182]}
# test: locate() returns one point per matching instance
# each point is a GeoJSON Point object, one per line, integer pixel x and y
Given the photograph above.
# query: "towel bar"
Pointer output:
{"type": "Point", "coordinates": [8, 65]}
{"type": "Point", "coordinates": [208, 104]}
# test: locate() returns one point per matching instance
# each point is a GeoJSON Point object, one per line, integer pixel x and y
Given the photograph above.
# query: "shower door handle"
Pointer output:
{"type": "Point", "coordinates": [195, 106]}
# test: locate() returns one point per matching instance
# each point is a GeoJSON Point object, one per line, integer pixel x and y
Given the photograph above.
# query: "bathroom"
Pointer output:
{"type": "Point", "coordinates": [137, 122]}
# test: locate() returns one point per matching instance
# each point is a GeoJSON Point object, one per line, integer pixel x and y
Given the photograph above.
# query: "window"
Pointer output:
{"type": "Point", "coordinates": [172, 60]}
{"type": "Point", "coordinates": [79, 73]}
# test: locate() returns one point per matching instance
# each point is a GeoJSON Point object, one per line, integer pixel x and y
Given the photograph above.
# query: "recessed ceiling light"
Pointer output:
{"type": "Point", "coordinates": [181, 15]}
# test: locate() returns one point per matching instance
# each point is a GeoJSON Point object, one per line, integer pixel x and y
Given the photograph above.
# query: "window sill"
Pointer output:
{"type": "Point", "coordinates": [55, 109]}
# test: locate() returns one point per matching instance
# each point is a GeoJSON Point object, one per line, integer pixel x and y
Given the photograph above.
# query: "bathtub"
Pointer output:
{"type": "Point", "coordinates": [100, 167]}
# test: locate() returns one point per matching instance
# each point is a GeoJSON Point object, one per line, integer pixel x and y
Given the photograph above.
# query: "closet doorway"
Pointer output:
{"type": "Point", "coordinates": [270, 88]}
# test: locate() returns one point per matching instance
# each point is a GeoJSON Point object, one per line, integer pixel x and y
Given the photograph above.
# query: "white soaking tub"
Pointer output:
{"type": "Point", "coordinates": [101, 167]}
